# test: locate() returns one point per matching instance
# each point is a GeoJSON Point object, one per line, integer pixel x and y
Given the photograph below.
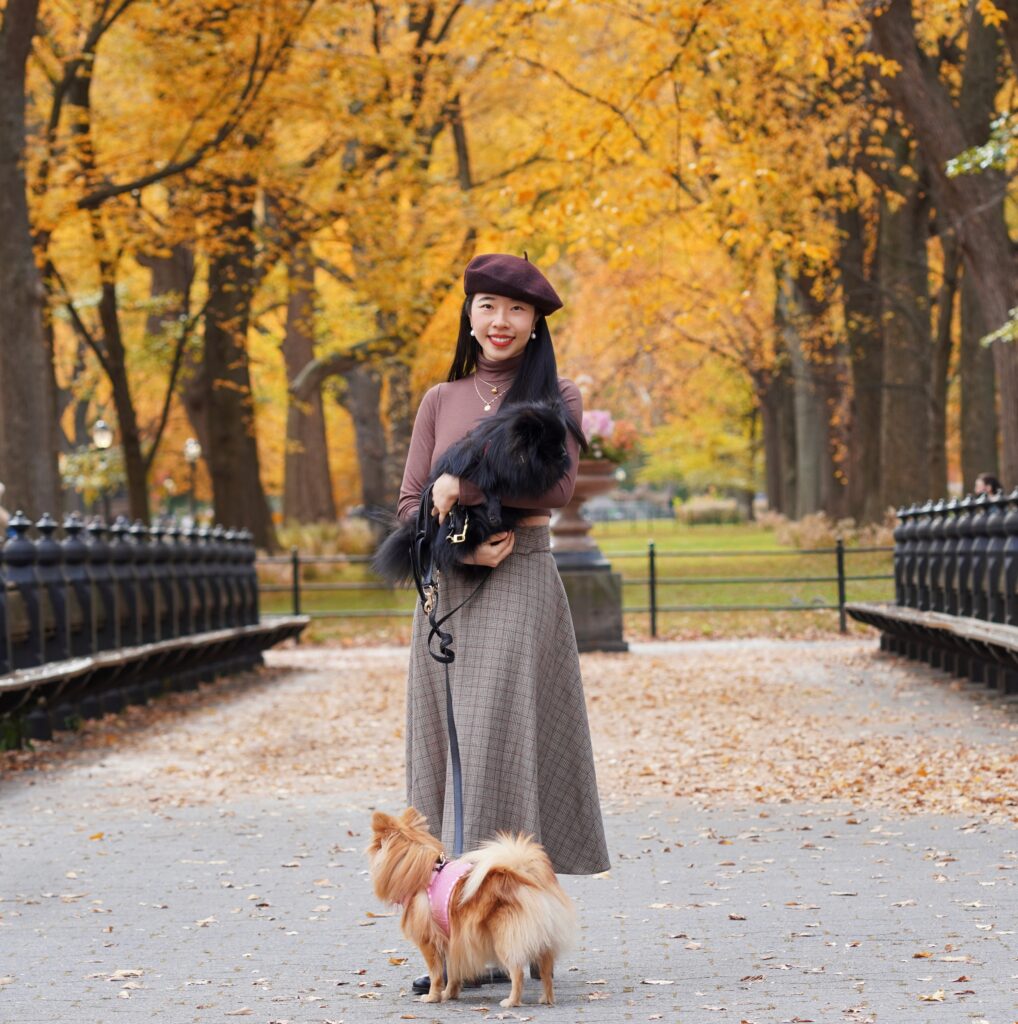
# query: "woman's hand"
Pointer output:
{"type": "Point", "coordinates": [494, 551]}
{"type": "Point", "coordinates": [445, 492]}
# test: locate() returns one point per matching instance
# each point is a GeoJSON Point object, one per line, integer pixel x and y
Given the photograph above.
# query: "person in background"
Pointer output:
{"type": "Point", "coordinates": [988, 484]}
{"type": "Point", "coordinates": [5, 516]}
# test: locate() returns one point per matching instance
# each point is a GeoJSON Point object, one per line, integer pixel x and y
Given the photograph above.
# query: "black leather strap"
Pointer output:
{"type": "Point", "coordinates": [426, 581]}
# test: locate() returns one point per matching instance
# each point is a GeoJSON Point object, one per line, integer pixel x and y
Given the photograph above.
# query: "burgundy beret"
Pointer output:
{"type": "Point", "coordinates": [501, 274]}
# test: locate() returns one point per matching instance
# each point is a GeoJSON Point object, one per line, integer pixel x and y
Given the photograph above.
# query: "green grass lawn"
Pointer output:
{"type": "Point", "coordinates": [731, 566]}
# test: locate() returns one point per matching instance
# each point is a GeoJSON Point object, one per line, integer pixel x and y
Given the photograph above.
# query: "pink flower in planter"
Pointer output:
{"type": "Point", "coordinates": [606, 439]}
{"type": "Point", "coordinates": [598, 423]}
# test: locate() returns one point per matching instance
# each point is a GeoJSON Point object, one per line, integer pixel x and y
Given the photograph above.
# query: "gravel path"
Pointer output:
{"type": "Point", "coordinates": [800, 832]}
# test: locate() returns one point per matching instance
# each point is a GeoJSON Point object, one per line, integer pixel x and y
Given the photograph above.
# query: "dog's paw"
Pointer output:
{"type": "Point", "coordinates": [432, 997]}
{"type": "Point", "coordinates": [546, 1002]}
{"type": "Point", "coordinates": [507, 1002]}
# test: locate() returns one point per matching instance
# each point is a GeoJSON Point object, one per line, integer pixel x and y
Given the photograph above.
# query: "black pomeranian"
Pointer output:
{"type": "Point", "coordinates": [520, 451]}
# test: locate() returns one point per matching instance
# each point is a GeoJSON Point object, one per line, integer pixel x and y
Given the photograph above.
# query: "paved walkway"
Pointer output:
{"type": "Point", "coordinates": [258, 906]}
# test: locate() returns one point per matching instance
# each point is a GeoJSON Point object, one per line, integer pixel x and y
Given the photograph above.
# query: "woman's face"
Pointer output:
{"type": "Point", "coordinates": [501, 325]}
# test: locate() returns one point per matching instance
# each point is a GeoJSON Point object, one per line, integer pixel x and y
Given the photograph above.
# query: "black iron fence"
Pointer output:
{"type": "Point", "coordinates": [959, 557]}
{"type": "Point", "coordinates": [955, 589]}
{"type": "Point", "coordinates": [107, 615]}
{"type": "Point", "coordinates": [292, 582]}
{"type": "Point", "coordinates": [104, 587]}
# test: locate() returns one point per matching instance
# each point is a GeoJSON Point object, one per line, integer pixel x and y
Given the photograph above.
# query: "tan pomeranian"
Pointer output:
{"type": "Point", "coordinates": [499, 904]}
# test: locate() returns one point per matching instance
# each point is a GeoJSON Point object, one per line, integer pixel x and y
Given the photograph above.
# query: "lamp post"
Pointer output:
{"type": "Point", "coordinates": [102, 438]}
{"type": "Point", "coordinates": [192, 453]}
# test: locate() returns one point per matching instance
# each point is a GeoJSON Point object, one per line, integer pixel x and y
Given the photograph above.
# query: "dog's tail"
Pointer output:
{"type": "Point", "coordinates": [391, 560]}
{"type": "Point", "coordinates": [515, 872]}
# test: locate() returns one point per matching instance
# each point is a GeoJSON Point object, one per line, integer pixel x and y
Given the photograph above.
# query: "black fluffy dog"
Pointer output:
{"type": "Point", "coordinates": [521, 450]}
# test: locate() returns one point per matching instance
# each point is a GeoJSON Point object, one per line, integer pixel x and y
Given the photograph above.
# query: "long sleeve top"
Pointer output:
{"type": "Point", "coordinates": [447, 413]}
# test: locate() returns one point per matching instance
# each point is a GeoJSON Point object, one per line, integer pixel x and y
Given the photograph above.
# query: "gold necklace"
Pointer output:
{"type": "Point", "coordinates": [486, 402]}
{"type": "Point", "coordinates": [487, 383]}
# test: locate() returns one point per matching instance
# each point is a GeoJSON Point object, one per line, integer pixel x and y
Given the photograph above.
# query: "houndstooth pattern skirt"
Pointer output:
{"type": "Point", "coordinates": [520, 715]}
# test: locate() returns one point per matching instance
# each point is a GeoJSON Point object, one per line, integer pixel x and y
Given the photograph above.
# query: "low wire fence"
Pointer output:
{"type": "Point", "coordinates": [656, 582]}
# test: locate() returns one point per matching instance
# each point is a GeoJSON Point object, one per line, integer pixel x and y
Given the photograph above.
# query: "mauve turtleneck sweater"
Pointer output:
{"type": "Point", "coordinates": [447, 413]}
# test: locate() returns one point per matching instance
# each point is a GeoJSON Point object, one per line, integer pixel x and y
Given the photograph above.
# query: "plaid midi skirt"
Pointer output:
{"type": "Point", "coordinates": [520, 715]}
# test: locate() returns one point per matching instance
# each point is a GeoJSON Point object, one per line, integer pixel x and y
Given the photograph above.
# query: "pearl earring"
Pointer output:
{"type": "Point", "coordinates": [472, 335]}
{"type": "Point", "coordinates": [533, 334]}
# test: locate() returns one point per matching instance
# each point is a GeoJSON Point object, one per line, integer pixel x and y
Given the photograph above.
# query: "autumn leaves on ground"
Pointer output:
{"type": "Point", "coordinates": [716, 723]}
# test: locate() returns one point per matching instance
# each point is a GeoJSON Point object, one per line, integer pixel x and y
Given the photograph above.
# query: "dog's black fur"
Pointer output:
{"type": "Point", "coordinates": [521, 450]}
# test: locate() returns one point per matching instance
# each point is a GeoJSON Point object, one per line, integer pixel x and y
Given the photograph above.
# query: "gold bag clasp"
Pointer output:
{"type": "Point", "coordinates": [459, 538]}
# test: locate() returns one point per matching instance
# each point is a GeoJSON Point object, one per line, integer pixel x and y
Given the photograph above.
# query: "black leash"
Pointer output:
{"type": "Point", "coordinates": [426, 581]}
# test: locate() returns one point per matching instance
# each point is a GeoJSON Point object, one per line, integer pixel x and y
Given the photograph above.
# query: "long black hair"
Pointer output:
{"type": "Point", "coordinates": [537, 378]}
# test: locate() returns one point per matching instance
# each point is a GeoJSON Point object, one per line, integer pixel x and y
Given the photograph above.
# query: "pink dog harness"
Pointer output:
{"type": "Point", "coordinates": [443, 880]}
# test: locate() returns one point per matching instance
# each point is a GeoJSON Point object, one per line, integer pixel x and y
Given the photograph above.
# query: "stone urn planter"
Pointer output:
{"type": "Point", "coordinates": [594, 591]}
{"type": "Point", "coordinates": [570, 531]}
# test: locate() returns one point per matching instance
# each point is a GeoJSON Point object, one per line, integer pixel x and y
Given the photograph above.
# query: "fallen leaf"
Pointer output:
{"type": "Point", "coordinates": [921, 955]}
{"type": "Point", "coordinates": [736, 917]}
{"type": "Point", "coordinates": [656, 981]}
{"type": "Point", "coordinates": [244, 1011]}
{"type": "Point", "coordinates": [98, 835]}
{"type": "Point", "coordinates": [934, 997]}
{"type": "Point", "coordinates": [398, 961]}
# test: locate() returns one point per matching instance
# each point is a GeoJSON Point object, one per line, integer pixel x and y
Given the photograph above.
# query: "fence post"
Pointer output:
{"type": "Point", "coordinates": [295, 567]}
{"type": "Point", "coordinates": [840, 554]}
{"type": "Point", "coordinates": [652, 565]}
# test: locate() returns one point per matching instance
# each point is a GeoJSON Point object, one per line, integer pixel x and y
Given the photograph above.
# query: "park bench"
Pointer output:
{"type": "Point", "coordinates": [115, 615]}
{"type": "Point", "coordinates": [956, 590]}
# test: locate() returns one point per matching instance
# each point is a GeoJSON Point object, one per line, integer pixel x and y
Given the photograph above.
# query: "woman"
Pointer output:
{"type": "Point", "coordinates": [518, 701]}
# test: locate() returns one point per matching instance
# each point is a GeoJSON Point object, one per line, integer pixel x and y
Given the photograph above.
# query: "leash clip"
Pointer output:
{"type": "Point", "coordinates": [430, 593]}
{"type": "Point", "coordinates": [459, 538]}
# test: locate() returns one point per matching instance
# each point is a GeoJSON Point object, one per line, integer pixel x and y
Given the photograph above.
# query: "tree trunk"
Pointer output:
{"type": "Point", "coordinates": [232, 452]}
{"type": "Point", "coordinates": [400, 415]}
{"type": "Point", "coordinates": [170, 280]}
{"type": "Point", "coordinates": [773, 394]}
{"type": "Point", "coordinates": [978, 409]}
{"type": "Point", "coordinates": [363, 400]}
{"type": "Point", "coordinates": [28, 431]}
{"type": "Point", "coordinates": [307, 488]}
{"type": "Point", "coordinates": [971, 203]}
{"type": "Point", "coordinates": [110, 348]}
{"type": "Point", "coordinates": [797, 313]}
{"type": "Point", "coordinates": [865, 342]}
{"type": "Point", "coordinates": [942, 348]}
{"type": "Point", "coordinates": [116, 366]}
{"type": "Point", "coordinates": [904, 292]}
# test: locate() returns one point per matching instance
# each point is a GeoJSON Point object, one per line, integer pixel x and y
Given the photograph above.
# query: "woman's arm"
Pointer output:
{"type": "Point", "coordinates": [418, 460]}
{"type": "Point", "coordinates": [557, 496]}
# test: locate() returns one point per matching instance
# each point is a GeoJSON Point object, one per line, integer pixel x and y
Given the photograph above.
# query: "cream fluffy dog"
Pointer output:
{"type": "Point", "coordinates": [507, 908]}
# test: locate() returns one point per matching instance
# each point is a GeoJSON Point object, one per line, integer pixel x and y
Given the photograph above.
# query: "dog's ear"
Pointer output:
{"type": "Point", "coordinates": [413, 818]}
{"type": "Point", "coordinates": [382, 823]}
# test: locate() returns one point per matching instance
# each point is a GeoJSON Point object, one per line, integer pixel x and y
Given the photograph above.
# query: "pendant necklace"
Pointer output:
{"type": "Point", "coordinates": [486, 402]}
{"type": "Point", "coordinates": [487, 383]}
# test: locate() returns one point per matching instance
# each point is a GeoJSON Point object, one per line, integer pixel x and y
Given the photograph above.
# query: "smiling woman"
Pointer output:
{"type": "Point", "coordinates": [517, 695]}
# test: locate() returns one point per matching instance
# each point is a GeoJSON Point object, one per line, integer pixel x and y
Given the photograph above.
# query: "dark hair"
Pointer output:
{"type": "Point", "coordinates": [537, 379]}
{"type": "Point", "coordinates": [995, 486]}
